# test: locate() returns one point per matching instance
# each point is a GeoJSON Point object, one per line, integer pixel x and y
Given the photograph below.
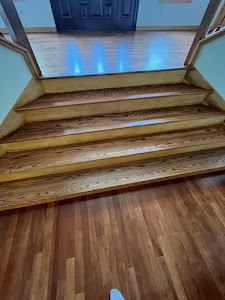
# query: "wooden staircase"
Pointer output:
{"type": "Point", "coordinates": [82, 142]}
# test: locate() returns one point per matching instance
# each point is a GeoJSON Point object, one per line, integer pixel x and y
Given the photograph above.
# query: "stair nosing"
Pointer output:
{"type": "Point", "coordinates": [94, 186]}
{"type": "Point", "coordinates": [118, 128]}
{"type": "Point", "coordinates": [90, 159]}
{"type": "Point", "coordinates": [24, 108]}
{"type": "Point", "coordinates": [114, 164]}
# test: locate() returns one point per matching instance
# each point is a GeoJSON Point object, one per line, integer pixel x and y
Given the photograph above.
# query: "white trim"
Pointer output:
{"type": "Point", "coordinates": [34, 30]}
{"type": "Point", "coordinates": [169, 27]}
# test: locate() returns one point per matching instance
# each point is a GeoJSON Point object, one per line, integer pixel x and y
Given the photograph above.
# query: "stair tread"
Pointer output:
{"type": "Point", "coordinates": [55, 187]}
{"type": "Point", "coordinates": [25, 161]}
{"type": "Point", "coordinates": [47, 129]}
{"type": "Point", "coordinates": [108, 95]}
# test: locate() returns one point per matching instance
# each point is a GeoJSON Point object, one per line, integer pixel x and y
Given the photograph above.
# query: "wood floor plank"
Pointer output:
{"type": "Point", "coordinates": [25, 164]}
{"type": "Point", "coordinates": [190, 265]}
{"type": "Point", "coordinates": [117, 52]}
{"type": "Point", "coordinates": [56, 187]}
{"type": "Point", "coordinates": [62, 132]}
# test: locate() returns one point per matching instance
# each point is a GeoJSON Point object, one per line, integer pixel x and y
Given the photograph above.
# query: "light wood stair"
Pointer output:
{"type": "Point", "coordinates": [107, 101]}
{"type": "Point", "coordinates": [84, 142]}
{"type": "Point", "coordinates": [90, 155]}
{"type": "Point", "coordinates": [67, 185]}
{"type": "Point", "coordinates": [88, 129]}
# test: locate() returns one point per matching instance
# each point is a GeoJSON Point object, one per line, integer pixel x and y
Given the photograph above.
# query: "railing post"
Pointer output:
{"type": "Point", "coordinates": [15, 28]}
{"type": "Point", "coordinates": [203, 28]}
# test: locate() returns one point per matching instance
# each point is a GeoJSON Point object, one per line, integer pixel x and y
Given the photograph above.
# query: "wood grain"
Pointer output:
{"type": "Point", "coordinates": [78, 130]}
{"type": "Point", "coordinates": [98, 102]}
{"type": "Point", "coordinates": [28, 192]}
{"type": "Point", "coordinates": [26, 164]}
{"type": "Point", "coordinates": [161, 241]}
{"type": "Point", "coordinates": [116, 80]}
{"type": "Point", "coordinates": [2, 151]}
{"type": "Point", "coordinates": [109, 95]}
{"type": "Point", "coordinates": [99, 53]}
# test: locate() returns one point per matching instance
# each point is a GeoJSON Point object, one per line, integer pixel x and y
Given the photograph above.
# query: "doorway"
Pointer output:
{"type": "Point", "coordinates": [95, 15]}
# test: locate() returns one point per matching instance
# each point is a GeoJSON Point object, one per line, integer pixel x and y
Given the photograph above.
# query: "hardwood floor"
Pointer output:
{"type": "Point", "coordinates": [100, 53]}
{"type": "Point", "coordinates": [161, 241]}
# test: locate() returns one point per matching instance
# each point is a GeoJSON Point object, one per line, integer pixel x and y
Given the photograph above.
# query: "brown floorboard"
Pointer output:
{"type": "Point", "coordinates": [103, 53]}
{"type": "Point", "coordinates": [160, 241]}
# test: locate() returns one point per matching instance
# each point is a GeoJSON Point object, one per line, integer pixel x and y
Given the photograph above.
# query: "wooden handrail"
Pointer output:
{"type": "Point", "coordinates": [15, 28]}
{"type": "Point", "coordinates": [203, 28]}
{"type": "Point", "coordinates": [220, 19]}
{"type": "Point", "coordinates": [15, 47]}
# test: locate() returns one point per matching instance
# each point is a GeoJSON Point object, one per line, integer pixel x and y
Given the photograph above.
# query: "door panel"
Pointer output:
{"type": "Point", "coordinates": [63, 12]}
{"type": "Point", "coordinates": [96, 9]}
{"type": "Point", "coordinates": [93, 15]}
{"type": "Point", "coordinates": [127, 14]}
{"type": "Point", "coordinates": [100, 15]}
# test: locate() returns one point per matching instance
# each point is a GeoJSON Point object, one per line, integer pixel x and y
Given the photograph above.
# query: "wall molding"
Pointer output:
{"type": "Point", "coordinates": [156, 28]}
{"type": "Point", "coordinates": [169, 27]}
{"type": "Point", "coordinates": [34, 30]}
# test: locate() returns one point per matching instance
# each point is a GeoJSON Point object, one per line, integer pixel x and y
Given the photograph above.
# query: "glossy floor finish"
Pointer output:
{"type": "Point", "coordinates": [160, 241]}
{"type": "Point", "coordinates": [103, 53]}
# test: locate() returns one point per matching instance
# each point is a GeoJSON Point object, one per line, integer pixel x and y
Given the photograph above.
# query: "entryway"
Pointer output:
{"type": "Point", "coordinates": [90, 53]}
{"type": "Point", "coordinates": [95, 15]}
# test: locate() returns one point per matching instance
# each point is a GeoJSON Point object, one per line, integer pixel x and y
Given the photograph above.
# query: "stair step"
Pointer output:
{"type": "Point", "coordinates": [89, 129]}
{"type": "Point", "coordinates": [116, 80]}
{"type": "Point", "coordinates": [26, 164]}
{"type": "Point", "coordinates": [33, 191]}
{"type": "Point", "coordinates": [105, 101]}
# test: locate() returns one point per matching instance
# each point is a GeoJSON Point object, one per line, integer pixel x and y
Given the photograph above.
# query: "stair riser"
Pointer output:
{"type": "Point", "coordinates": [127, 105]}
{"type": "Point", "coordinates": [110, 187]}
{"type": "Point", "coordinates": [82, 83]}
{"type": "Point", "coordinates": [113, 133]}
{"type": "Point", "coordinates": [2, 151]}
{"type": "Point", "coordinates": [108, 161]}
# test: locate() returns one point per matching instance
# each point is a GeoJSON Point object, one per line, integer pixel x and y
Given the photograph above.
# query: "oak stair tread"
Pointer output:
{"type": "Point", "coordinates": [42, 130]}
{"type": "Point", "coordinates": [109, 95]}
{"type": "Point", "coordinates": [87, 155]}
{"type": "Point", "coordinates": [56, 187]}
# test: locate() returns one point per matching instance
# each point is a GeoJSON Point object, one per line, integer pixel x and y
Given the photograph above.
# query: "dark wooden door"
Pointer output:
{"type": "Point", "coordinates": [95, 15]}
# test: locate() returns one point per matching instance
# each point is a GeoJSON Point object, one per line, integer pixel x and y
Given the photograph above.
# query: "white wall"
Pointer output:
{"type": "Point", "coordinates": [14, 77]}
{"type": "Point", "coordinates": [38, 13]}
{"type": "Point", "coordinates": [211, 64]}
{"type": "Point", "coordinates": [153, 12]}
{"type": "Point", "coordinates": [34, 13]}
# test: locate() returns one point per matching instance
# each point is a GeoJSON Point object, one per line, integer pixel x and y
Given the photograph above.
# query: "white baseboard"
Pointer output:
{"type": "Point", "coordinates": [156, 28]}
{"type": "Point", "coordinates": [168, 27]}
{"type": "Point", "coordinates": [34, 30]}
